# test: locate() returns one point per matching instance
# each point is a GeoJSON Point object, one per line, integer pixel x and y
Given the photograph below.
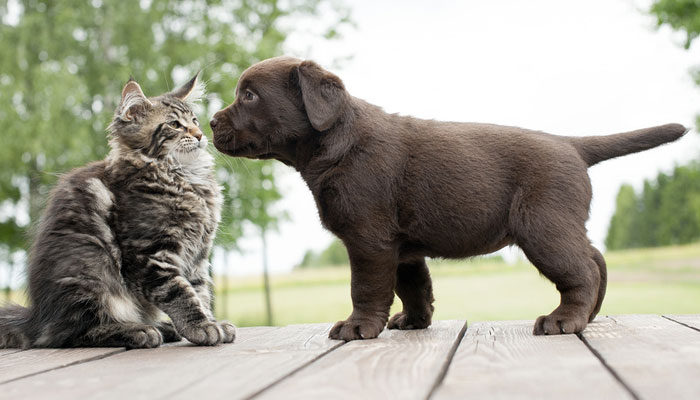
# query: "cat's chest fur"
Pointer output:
{"type": "Point", "coordinates": [161, 208]}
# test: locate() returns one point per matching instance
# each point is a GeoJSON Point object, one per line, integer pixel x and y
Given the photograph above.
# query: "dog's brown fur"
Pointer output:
{"type": "Point", "coordinates": [396, 189]}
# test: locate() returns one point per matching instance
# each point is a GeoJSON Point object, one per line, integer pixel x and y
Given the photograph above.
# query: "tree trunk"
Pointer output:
{"type": "Point", "coordinates": [224, 285]}
{"type": "Point", "coordinates": [8, 288]}
{"type": "Point", "coordinates": [35, 201]}
{"type": "Point", "coordinates": [266, 279]}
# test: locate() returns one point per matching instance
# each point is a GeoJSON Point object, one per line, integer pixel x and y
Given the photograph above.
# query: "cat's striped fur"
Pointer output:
{"type": "Point", "coordinates": [126, 238]}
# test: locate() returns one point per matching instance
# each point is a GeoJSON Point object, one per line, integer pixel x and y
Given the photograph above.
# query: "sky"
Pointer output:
{"type": "Point", "coordinates": [564, 67]}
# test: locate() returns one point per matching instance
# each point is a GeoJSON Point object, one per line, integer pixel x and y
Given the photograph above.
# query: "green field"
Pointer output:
{"type": "Point", "coordinates": [660, 280]}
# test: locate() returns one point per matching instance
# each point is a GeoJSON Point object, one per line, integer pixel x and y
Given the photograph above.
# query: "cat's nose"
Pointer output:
{"type": "Point", "coordinates": [196, 133]}
{"type": "Point", "coordinates": [213, 123]}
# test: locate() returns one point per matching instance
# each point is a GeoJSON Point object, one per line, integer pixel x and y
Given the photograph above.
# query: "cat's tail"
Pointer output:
{"type": "Point", "coordinates": [13, 319]}
{"type": "Point", "coordinates": [594, 149]}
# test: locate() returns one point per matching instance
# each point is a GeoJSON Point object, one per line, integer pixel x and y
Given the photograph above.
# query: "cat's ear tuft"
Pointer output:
{"type": "Point", "coordinates": [133, 101]}
{"type": "Point", "coordinates": [190, 91]}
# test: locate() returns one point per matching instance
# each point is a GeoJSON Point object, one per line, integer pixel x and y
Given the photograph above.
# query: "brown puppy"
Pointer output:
{"type": "Point", "coordinates": [398, 189]}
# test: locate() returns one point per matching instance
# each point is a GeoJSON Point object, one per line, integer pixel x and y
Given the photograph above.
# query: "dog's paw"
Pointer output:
{"type": "Point", "coordinates": [558, 323]}
{"type": "Point", "coordinates": [229, 331]}
{"type": "Point", "coordinates": [143, 337]}
{"type": "Point", "coordinates": [405, 321]}
{"type": "Point", "coordinates": [356, 329]}
{"type": "Point", "coordinates": [207, 333]}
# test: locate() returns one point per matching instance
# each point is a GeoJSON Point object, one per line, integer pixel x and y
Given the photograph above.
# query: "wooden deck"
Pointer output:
{"type": "Point", "coordinates": [618, 357]}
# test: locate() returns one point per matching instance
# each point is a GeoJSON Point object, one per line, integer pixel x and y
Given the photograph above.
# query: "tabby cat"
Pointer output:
{"type": "Point", "coordinates": [127, 237]}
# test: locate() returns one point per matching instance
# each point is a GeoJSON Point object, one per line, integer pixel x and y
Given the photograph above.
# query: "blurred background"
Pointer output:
{"type": "Point", "coordinates": [564, 67]}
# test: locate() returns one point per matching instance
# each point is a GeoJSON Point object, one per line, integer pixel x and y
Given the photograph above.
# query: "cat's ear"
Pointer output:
{"type": "Point", "coordinates": [133, 102]}
{"type": "Point", "coordinates": [188, 91]}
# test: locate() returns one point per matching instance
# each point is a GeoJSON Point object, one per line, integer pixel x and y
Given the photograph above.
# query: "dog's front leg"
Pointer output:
{"type": "Point", "coordinates": [372, 290]}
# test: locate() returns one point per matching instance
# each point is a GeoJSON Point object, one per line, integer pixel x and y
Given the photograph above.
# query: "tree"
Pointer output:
{"type": "Point", "coordinates": [667, 211]}
{"type": "Point", "coordinates": [62, 68]}
{"type": "Point", "coordinates": [681, 15]}
{"type": "Point", "coordinates": [668, 208]}
{"type": "Point", "coordinates": [623, 231]}
{"type": "Point", "coordinates": [334, 255]}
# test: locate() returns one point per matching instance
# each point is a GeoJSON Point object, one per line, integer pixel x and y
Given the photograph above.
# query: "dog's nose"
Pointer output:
{"type": "Point", "coordinates": [213, 122]}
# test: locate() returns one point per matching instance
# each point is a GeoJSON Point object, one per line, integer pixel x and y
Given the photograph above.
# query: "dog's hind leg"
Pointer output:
{"type": "Point", "coordinates": [600, 261]}
{"type": "Point", "coordinates": [554, 240]}
{"type": "Point", "coordinates": [576, 276]}
{"type": "Point", "coordinates": [415, 289]}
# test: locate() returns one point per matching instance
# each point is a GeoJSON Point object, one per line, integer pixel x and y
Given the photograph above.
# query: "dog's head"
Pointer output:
{"type": "Point", "coordinates": [278, 102]}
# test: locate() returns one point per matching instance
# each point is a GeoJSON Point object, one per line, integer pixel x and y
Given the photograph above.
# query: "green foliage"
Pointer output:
{"type": "Point", "coordinates": [334, 255]}
{"type": "Point", "coordinates": [62, 68]}
{"type": "Point", "coordinates": [623, 231]}
{"type": "Point", "coordinates": [681, 15]}
{"type": "Point", "coordinates": [666, 212]}
{"type": "Point", "coordinates": [668, 209]}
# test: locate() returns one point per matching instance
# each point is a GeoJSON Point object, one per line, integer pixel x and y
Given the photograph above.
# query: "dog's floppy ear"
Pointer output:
{"type": "Point", "coordinates": [323, 95]}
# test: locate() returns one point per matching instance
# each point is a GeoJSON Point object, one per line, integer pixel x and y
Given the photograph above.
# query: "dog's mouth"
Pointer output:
{"type": "Point", "coordinates": [224, 141]}
{"type": "Point", "coordinates": [235, 145]}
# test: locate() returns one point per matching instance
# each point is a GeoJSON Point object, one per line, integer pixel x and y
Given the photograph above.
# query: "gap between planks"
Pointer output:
{"type": "Point", "coordinates": [398, 364]}
{"type": "Point", "coordinates": [26, 359]}
{"type": "Point", "coordinates": [448, 361]}
{"type": "Point", "coordinates": [261, 363]}
{"type": "Point", "coordinates": [294, 371]}
{"type": "Point", "coordinates": [610, 369]}
{"type": "Point", "coordinates": [658, 357]}
{"type": "Point", "coordinates": [679, 320]}
{"type": "Point", "coordinates": [105, 354]}
{"type": "Point", "coordinates": [503, 360]}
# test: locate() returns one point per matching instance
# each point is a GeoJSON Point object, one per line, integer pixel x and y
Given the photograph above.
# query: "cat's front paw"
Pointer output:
{"type": "Point", "coordinates": [229, 331]}
{"type": "Point", "coordinates": [207, 333]}
{"type": "Point", "coordinates": [141, 337]}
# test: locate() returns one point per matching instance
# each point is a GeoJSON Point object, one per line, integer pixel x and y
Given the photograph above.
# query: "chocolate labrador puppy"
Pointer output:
{"type": "Point", "coordinates": [397, 189]}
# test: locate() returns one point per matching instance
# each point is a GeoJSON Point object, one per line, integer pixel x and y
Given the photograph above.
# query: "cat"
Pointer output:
{"type": "Point", "coordinates": [126, 238]}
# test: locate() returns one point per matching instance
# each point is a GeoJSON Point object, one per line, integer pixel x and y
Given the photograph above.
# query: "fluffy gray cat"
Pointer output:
{"type": "Point", "coordinates": [127, 237]}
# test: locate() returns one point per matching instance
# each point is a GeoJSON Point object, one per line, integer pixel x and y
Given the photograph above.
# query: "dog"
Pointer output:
{"type": "Point", "coordinates": [397, 189]}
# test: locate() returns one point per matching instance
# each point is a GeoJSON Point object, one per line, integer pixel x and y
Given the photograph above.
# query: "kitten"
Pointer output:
{"type": "Point", "coordinates": [127, 237]}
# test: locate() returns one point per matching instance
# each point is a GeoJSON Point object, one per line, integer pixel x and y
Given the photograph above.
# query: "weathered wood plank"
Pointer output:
{"type": "Point", "coordinates": [4, 352]}
{"type": "Point", "coordinates": [504, 360]}
{"type": "Point", "coordinates": [257, 365]}
{"type": "Point", "coordinates": [692, 321]}
{"type": "Point", "coordinates": [161, 372]}
{"type": "Point", "coordinates": [396, 365]}
{"type": "Point", "coordinates": [655, 357]}
{"type": "Point", "coordinates": [30, 362]}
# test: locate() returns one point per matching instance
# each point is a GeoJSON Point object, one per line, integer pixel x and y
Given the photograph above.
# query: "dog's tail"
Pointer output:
{"type": "Point", "coordinates": [594, 149]}
{"type": "Point", "coordinates": [13, 320]}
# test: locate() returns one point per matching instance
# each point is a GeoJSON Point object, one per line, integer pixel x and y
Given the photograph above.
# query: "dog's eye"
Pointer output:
{"type": "Point", "coordinates": [248, 95]}
{"type": "Point", "coordinates": [175, 124]}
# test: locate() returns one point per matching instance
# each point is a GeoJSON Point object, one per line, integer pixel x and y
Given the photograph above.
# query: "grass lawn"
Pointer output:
{"type": "Point", "coordinates": [660, 280]}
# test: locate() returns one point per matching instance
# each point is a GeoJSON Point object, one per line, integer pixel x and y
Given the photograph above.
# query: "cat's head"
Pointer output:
{"type": "Point", "coordinates": [159, 127]}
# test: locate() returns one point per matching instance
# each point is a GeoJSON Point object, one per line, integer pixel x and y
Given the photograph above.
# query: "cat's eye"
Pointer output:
{"type": "Point", "coordinates": [249, 96]}
{"type": "Point", "coordinates": [175, 124]}
{"type": "Point", "coordinates": [195, 121]}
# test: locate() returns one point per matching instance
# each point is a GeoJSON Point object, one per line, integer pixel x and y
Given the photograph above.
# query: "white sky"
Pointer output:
{"type": "Point", "coordinates": [563, 67]}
